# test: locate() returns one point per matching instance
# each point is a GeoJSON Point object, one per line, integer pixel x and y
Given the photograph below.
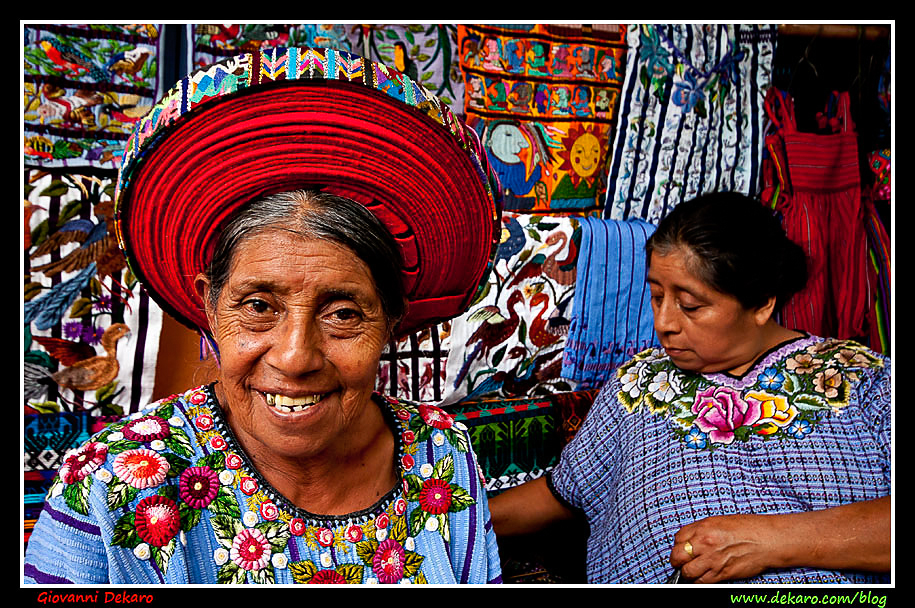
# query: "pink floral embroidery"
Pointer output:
{"type": "Point", "coordinates": [720, 411]}
{"type": "Point", "coordinates": [250, 549]}
{"type": "Point", "coordinates": [141, 468]}
{"type": "Point", "coordinates": [147, 428]}
{"type": "Point", "coordinates": [83, 462]}
{"type": "Point", "coordinates": [388, 561]}
{"type": "Point", "coordinates": [324, 537]}
{"type": "Point", "coordinates": [382, 521]}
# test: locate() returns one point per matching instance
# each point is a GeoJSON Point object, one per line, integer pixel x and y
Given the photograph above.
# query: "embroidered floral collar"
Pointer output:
{"type": "Point", "coordinates": [783, 395]}
{"type": "Point", "coordinates": [161, 484]}
{"type": "Point", "coordinates": [255, 482]}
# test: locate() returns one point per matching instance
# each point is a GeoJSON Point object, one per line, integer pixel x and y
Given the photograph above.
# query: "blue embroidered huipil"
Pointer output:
{"type": "Point", "coordinates": [168, 496]}
{"type": "Point", "coordinates": [806, 428]}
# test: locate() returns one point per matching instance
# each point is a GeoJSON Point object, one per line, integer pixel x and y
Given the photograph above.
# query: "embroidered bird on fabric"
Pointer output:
{"type": "Point", "coordinates": [128, 64]}
{"type": "Point", "coordinates": [68, 59]}
{"type": "Point", "coordinates": [97, 243]}
{"type": "Point", "coordinates": [85, 370]}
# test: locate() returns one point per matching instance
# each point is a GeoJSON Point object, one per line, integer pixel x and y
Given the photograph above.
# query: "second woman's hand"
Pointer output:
{"type": "Point", "coordinates": [722, 548]}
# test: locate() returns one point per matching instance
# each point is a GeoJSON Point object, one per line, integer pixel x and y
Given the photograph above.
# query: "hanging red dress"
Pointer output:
{"type": "Point", "coordinates": [814, 183]}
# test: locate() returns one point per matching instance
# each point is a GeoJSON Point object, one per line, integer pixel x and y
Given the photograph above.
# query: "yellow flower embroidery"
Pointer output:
{"type": "Point", "coordinates": [775, 413]}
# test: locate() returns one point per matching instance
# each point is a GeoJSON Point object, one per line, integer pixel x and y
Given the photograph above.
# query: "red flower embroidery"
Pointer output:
{"type": "Point", "coordinates": [269, 511]}
{"type": "Point", "coordinates": [435, 416]}
{"type": "Point", "coordinates": [388, 561]}
{"type": "Point", "coordinates": [157, 520]}
{"type": "Point", "coordinates": [435, 496]}
{"type": "Point", "coordinates": [400, 506]}
{"type": "Point", "coordinates": [233, 461]}
{"type": "Point", "coordinates": [249, 485]}
{"type": "Point", "coordinates": [218, 443]}
{"type": "Point", "coordinates": [148, 428]}
{"type": "Point", "coordinates": [83, 462]}
{"type": "Point", "coordinates": [353, 533]}
{"type": "Point", "coordinates": [382, 521]}
{"type": "Point", "coordinates": [198, 486]}
{"type": "Point", "coordinates": [407, 462]}
{"type": "Point", "coordinates": [204, 422]}
{"type": "Point", "coordinates": [408, 436]}
{"type": "Point", "coordinates": [327, 577]}
{"type": "Point", "coordinates": [297, 526]}
{"type": "Point", "coordinates": [197, 398]}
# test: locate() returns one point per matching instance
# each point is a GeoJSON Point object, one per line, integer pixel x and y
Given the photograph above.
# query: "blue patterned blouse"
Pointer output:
{"type": "Point", "coordinates": [167, 496]}
{"type": "Point", "coordinates": [808, 427]}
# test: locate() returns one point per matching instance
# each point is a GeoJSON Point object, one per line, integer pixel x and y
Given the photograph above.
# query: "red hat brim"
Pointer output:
{"type": "Point", "coordinates": [423, 180]}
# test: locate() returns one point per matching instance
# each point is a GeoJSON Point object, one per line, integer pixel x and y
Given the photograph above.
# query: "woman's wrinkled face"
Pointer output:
{"type": "Point", "coordinates": [300, 329]}
{"type": "Point", "coordinates": [702, 329]}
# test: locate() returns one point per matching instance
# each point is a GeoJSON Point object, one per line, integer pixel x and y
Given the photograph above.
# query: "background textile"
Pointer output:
{"type": "Point", "coordinates": [84, 88]}
{"type": "Point", "coordinates": [510, 341]}
{"type": "Point", "coordinates": [691, 116]}
{"type": "Point", "coordinates": [424, 52]}
{"type": "Point", "coordinates": [77, 291]}
{"type": "Point", "coordinates": [543, 99]}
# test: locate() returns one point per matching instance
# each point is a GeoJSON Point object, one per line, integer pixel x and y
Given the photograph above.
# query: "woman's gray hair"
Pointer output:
{"type": "Point", "coordinates": [318, 215]}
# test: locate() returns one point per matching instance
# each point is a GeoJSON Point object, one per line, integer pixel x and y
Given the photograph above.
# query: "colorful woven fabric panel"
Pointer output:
{"type": "Point", "coordinates": [691, 116]}
{"type": "Point", "coordinates": [80, 362]}
{"type": "Point", "coordinates": [510, 341]}
{"type": "Point", "coordinates": [516, 440]}
{"type": "Point", "coordinates": [85, 86]}
{"type": "Point", "coordinates": [544, 100]}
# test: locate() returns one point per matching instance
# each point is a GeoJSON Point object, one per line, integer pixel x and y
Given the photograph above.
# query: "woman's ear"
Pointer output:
{"type": "Point", "coordinates": [765, 312]}
{"type": "Point", "coordinates": [202, 287]}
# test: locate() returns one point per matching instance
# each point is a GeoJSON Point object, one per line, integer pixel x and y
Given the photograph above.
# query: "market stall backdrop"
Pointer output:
{"type": "Point", "coordinates": [596, 132]}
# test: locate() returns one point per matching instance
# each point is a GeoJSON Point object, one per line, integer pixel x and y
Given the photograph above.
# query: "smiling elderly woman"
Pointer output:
{"type": "Point", "coordinates": [300, 218]}
{"type": "Point", "coordinates": [742, 451]}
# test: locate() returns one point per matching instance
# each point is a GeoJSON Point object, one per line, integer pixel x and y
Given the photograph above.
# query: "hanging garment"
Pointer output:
{"type": "Point", "coordinates": [815, 185]}
{"type": "Point", "coordinates": [611, 315]}
{"type": "Point", "coordinates": [690, 117]}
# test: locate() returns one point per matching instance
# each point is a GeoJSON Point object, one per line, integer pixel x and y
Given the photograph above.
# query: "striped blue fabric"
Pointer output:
{"type": "Point", "coordinates": [611, 316]}
{"type": "Point", "coordinates": [640, 472]}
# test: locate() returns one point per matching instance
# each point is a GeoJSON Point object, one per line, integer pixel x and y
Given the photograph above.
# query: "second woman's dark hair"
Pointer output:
{"type": "Point", "coordinates": [739, 247]}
